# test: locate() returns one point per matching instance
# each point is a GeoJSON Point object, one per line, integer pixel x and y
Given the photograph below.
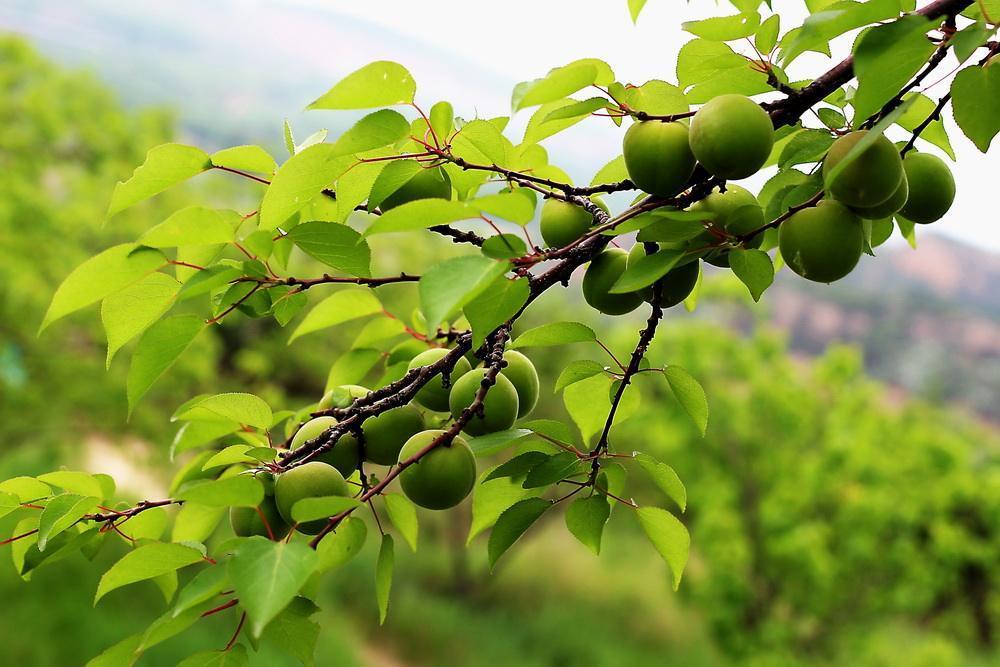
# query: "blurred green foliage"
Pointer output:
{"type": "Point", "coordinates": [832, 522]}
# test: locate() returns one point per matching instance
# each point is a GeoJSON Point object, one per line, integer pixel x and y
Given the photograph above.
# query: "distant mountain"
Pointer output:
{"type": "Point", "coordinates": [927, 320]}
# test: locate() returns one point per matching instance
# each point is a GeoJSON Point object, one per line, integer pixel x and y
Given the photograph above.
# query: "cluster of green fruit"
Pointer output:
{"type": "Point", "coordinates": [441, 478]}
{"type": "Point", "coordinates": [825, 242]}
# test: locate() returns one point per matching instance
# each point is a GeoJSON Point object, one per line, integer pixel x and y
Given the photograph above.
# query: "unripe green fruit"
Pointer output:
{"type": "Point", "coordinates": [247, 522]}
{"type": "Point", "coordinates": [891, 205]}
{"type": "Point", "coordinates": [822, 243]}
{"type": "Point", "coordinates": [431, 183]}
{"type": "Point", "coordinates": [309, 480]}
{"type": "Point", "coordinates": [342, 396]}
{"type": "Point", "coordinates": [499, 407]}
{"type": "Point", "coordinates": [386, 433]}
{"type": "Point", "coordinates": [658, 157]}
{"type": "Point", "coordinates": [562, 223]}
{"type": "Point", "coordinates": [871, 178]}
{"type": "Point", "coordinates": [522, 374]}
{"type": "Point", "coordinates": [678, 284]}
{"type": "Point", "coordinates": [443, 477]}
{"type": "Point", "coordinates": [434, 395]}
{"type": "Point", "coordinates": [932, 188]}
{"type": "Point", "coordinates": [345, 454]}
{"type": "Point", "coordinates": [731, 136]}
{"type": "Point", "coordinates": [601, 275]}
{"type": "Point", "coordinates": [735, 211]}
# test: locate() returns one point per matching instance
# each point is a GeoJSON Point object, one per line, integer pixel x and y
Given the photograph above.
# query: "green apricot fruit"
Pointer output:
{"type": "Point", "coordinates": [443, 477]}
{"type": "Point", "coordinates": [871, 178]}
{"type": "Point", "coordinates": [342, 396]}
{"type": "Point", "coordinates": [891, 205]}
{"type": "Point", "coordinates": [562, 223]}
{"type": "Point", "coordinates": [434, 394]}
{"type": "Point", "coordinates": [386, 433]}
{"type": "Point", "coordinates": [248, 521]}
{"type": "Point", "coordinates": [601, 275]}
{"type": "Point", "coordinates": [345, 454]}
{"type": "Point", "coordinates": [522, 374]}
{"type": "Point", "coordinates": [822, 243]}
{"type": "Point", "coordinates": [735, 211]}
{"type": "Point", "coordinates": [431, 183]}
{"type": "Point", "coordinates": [658, 157]}
{"type": "Point", "coordinates": [731, 136]}
{"type": "Point", "coordinates": [678, 284]}
{"type": "Point", "coordinates": [932, 188]}
{"type": "Point", "coordinates": [309, 480]}
{"type": "Point", "coordinates": [499, 407]}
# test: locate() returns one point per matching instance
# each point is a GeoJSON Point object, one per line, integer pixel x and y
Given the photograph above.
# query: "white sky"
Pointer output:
{"type": "Point", "coordinates": [521, 39]}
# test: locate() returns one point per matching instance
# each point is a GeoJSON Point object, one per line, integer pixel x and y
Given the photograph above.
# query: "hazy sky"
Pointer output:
{"type": "Point", "coordinates": [521, 39]}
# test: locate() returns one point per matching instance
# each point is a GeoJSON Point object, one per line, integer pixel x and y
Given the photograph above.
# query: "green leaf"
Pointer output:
{"type": "Point", "coordinates": [554, 468]}
{"type": "Point", "coordinates": [8, 503]}
{"type": "Point", "coordinates": [165, 166]}
{"type": "Point", "coordinates": [492, 443]}
{"type": "Point", "coordinates": [967, 40]}
{"type": "Point", "coordinates": [544, 122]}
{"type": "Point", "coordinates": [908, 230]}
{"type": "Point", "coordinates": [767, 34]}
{"type": "Point", "coordinates": [403, 515]}
{"type": "Point", "coordinates": [343, 544]}
{"type": "Point", "coordinates": [646, 271]}
{"type": "Point", "coordinates": [517, 206]}
{"type": "Point", "coordinates": [689, 394]}
{"type": "Point", "coordinates": [494, 306]}
{"type": "Point", "coordinates": [203, 587]}
{"type": "Point", "coordinates": [236, 491]}
{"type": "Point", "coordinates": [577, 370]}
{"type": "Point", "coordinates": [157, 350]}
{"type": "Point", "coordinates": [234, 657]}
{"type": "Point", "coordinates": [194, 225]}
{"type": "Point", "coordinates": [321, 507]}
{"type": "Point", "coordinates": [612, 172]}
{"type": "Point", "coordinates": [375, 130]}
{"type": "Point", "coordinates": [724, 28]}
{"type": "Point", "coordinates": [555, 85]}
{"type": "Point", "coordinates": [146, 562]}
{"type": "Point", "coordinates": [519, 466]}
{"type": "Point", "coordinates": [576, 110]}
{"type": "Point", "coordinates": [823, 26]}
{"type": "Point", "coordinates": [504, 246]}
{"type": "Point", "coordinates": [512, 523]}
{"type": "Point", "coordinates": [293, 632]}
{"type": "Point", "coordinates": [976, 102]}
{"type": "Point", "coordinates": [242, 408]}
{"type": "Point", "coordinates": [196, 523]}
{"type": "Point", "coordinates": [342, 306]}
{"type": "Point", "coordinates": [919, 107]}
{"type": "Point", "coordinates": [656, 97]}
{"type": "Point", "coordinates": [335, 245]}
{"type": "Point", "coordinates": [73, 481]}
{"type": "Point", "coordinates": [25, 488]}
{"type": "Point", "coordinates": [378, 84]}
{"type": "Point", "coordinates": [706, 69]}
{"type": "Point", "coordinates": [267, 575]}
{"type": "Point", "coordinates": [298, 181]}
{"type": "Point", "coordinates": [480, 141]}
{"type": "Point", "coordinates": [288, 137]}
{"type": "Point", "coordinates": [805, 147]}
{"type": "Point", "coordinates": [753, 268]}
{"type": "Point", "coordinates": [669, 536]}
{"type": "Point", "coordinates": [245, 158]}
{"type": "Point", "coordinates": [634, 8]}
{"type": "Point", "coordinates": [885, 59]}
{"type": "Point", "coordinates": [664, 477]}
{"type": "Point", "coordinates": [391, 178]}
{"type": "Point", "coordinates": [383, 576]}
{"type": "Point", "coordinates": [101, 275]}
{"type": "Point", "coordinates": [421, 214]}
{"type": "Point", "coordinates": [554, 333]}
{"type": "Point", "coordinates": [442, 118]}
{"type": "Point", "coordinates": [62, 512]}
{"type": "Point", "coordinates": [449, 285]}
{"type": "Point", "coordinates": [585, 519]}
{"type": "Point", "coordinates": [491, 498]}
{"type": "Point", "coordinates": [128, 313]}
